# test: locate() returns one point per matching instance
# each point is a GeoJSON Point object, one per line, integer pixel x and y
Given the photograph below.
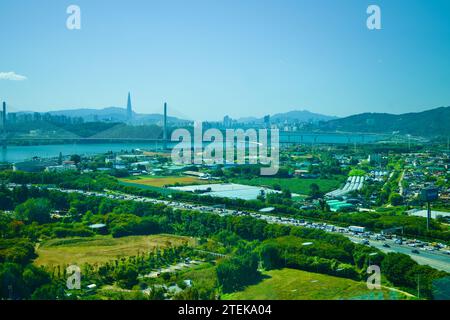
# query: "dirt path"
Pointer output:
{"type": "Point", "coordinates": [400, 291]}
{"type": "Point", "coordinates": [400, 186]}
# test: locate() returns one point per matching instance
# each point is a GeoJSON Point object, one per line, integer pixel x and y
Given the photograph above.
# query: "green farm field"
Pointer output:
{"type": "Point", "coordinates": [295, 185]}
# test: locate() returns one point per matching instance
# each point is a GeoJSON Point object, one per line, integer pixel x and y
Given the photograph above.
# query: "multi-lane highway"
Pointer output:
{"type": "Point", "coordinates": [435, 259]}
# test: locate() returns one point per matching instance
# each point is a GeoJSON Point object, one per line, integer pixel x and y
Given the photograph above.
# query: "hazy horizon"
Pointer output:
{"type": "Point", "coordinates": [210, 59]}
{"type": "Point", "coordinates": [218, 118]}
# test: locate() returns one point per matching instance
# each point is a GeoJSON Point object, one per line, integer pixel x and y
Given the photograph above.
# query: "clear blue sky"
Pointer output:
{"type": "Point", "coordinates": [209, 58]}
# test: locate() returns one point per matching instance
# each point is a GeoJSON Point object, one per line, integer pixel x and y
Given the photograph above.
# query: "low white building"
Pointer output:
{"type": "Point", "coordinates": [61, 168]}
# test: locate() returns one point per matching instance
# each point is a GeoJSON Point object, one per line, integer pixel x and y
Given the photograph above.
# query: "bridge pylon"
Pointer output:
{"type": "Point", "coordinates": [4, 129]}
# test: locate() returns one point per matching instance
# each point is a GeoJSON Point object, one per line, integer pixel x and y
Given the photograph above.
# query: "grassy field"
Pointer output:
{"type": "Point", "coordinates": [161, 154]}
{"type": "Point", "coordinates": [295, 185]}
{"type": "Point", "coordinates": [164, 191]}
{"type": "Point", "coordinates": [155, 181]}
{"type": "Point", "coordinates": [100, 249]}
{"type": "Point", "coordinates": [290, 284]}
{"type": "Point", "coordinates": [158, 183]}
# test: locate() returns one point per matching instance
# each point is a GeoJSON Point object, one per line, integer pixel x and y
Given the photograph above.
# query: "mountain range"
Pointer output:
{"type": "Point", "coordinates": [429, 123]}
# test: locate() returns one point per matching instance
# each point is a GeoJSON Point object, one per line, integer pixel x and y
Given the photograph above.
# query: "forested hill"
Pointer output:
{"type": "Point", "coordinates": [430, 123]}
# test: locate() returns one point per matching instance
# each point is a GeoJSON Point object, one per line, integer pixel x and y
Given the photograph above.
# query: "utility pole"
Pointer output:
{"type": "Point", "coordinates": [4, 143]}
{"type": "Point", "coordinates": [10, 292]}
{"type": "Point", "coordinates": [427, 195]}
{"type": "Point", "coordinates": [165, 127]}
{"type": "Point", "coordinates": [418, 286]}
{"type": "Point", "coordinates": [448, 144]}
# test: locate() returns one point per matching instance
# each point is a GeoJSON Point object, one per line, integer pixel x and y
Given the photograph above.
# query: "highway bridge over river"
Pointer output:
{"type": "Point", "coordinates": [286, 138]}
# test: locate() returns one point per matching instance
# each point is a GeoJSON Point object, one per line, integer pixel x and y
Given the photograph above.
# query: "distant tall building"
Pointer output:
{"type": "Point", "coordinates": [3, 131]}
{"type": "Point", "coordinates": [227, 121]}
{"type": "Point", "coordinates": [129, 108]}
{"type": "Point", "coordinates": [267, 121]}
{"type": "Point", "coordinates": [4, 117]}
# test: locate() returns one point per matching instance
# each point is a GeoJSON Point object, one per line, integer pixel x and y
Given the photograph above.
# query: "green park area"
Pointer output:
{"type": "Point", "coordinates": [291, 284]}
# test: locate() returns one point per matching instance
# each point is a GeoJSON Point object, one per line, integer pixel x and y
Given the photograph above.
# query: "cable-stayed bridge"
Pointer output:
{"type": "Point", "coordinates": [63, 136]}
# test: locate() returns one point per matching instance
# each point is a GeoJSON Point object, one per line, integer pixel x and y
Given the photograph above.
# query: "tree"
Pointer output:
{"type": "Point", "coordinates": [127, 276]}
{"type": "Point", "coordinates": [34, 210]}
{"type": "Point", "coordinates": [395, 266]}
{"type": "Point", "coordinates": [35, 277]}
{"type": "Point", "coordinates": [236, 272]}
{"type": "Point", "coordinates": [187, 294]}
{"type": "Point", "coordinates": [157, 293]}
{"type": "Point", "coordinates": [75, 158]}
{"type": "Point", "coordinates": [16, 250]}
{"type": "Point", "coordinates": [50, 291]}
{"type": "Point", "coordinates": [314, 190]}
{"type": "Point", "coordinates": [12, 286]}
{"type": "Point", "coordinates": [286, 193]}
{"type": "Point", "coordinates": [270, 256]}
{"type": "Point", "coordinates": [395, 199]}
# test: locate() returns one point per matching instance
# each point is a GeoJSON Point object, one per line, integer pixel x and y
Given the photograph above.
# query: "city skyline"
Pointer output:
{"type": "Point", "coordinates": [241, 59]}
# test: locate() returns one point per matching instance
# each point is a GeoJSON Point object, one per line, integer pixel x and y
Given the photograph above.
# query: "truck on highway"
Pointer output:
{"type": "Point", "coordinates": [357, 229]}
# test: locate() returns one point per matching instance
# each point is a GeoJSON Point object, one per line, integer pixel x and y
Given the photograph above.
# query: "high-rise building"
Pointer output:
{"type": "Point", "coordinates": [4, 117]}
{"type": "Point", "coordinates": [129, 108]}
{"type": "Point", "coordinates": [267, 121]}
{"type": "Point", "coordinates": [227, 122]}
{"type": "Point", "coordinates": [3, 131]}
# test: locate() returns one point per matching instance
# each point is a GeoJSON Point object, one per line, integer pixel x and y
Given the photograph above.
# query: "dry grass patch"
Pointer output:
{"type": "Point", "coordinates": [163, 181]}
{"type": "Point", "coordinates": [101, 249]}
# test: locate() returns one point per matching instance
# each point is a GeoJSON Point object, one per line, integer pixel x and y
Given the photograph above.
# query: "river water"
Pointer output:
{"type": "Point", "coordinates": [21, 153]}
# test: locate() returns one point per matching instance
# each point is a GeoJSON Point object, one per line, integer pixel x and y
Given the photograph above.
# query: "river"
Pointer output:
{"type": "Point", "coordinates": [21, 153]}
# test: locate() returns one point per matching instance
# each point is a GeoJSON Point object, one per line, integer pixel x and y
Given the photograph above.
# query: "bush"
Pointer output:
{"type": "Point", "coordinates": [236, 272]}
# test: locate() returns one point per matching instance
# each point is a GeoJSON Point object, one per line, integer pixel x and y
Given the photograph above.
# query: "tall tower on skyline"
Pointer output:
{"type": "Point", "coordinates": [129, 108]}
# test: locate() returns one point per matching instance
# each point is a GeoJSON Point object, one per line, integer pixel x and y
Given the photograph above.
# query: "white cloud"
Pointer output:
{"type": "Point", "coordinates": [12, 76]}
